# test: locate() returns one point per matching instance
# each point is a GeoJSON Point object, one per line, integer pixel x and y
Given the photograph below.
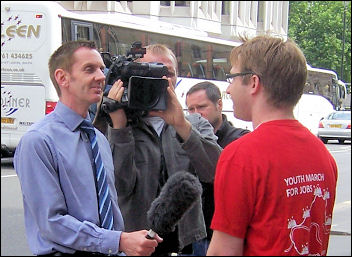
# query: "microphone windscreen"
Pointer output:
{"type": "Point", "coordinates": [179, 193]}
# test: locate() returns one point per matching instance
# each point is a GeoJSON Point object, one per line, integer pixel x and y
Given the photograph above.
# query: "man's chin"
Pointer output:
{"type": "Point", "coordinates": [96, 99]}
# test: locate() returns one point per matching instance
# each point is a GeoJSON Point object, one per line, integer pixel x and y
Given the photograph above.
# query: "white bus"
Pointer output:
{"type": "Point", "coordinates": [32, 30]}
{"type": "Point", "coordinates": [326, 83]}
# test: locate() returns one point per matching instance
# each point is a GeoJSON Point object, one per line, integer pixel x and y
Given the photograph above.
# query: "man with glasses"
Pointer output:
{"type": "Point", "coordinates": [205, 98]}
{"type": "Point", "coordinates": [274, 188]}
{"type": "Point", "coordinates": [230, 77]}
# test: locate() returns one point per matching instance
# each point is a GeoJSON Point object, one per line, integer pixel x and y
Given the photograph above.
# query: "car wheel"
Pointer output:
{"type": "Point", "coordinates": [325, 141]}
{"type": "Point", "coordinates": [341, 141]}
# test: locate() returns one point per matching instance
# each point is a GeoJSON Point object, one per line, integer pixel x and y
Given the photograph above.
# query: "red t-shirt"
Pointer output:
{"type": "Point", "coordinates": [275, 188]}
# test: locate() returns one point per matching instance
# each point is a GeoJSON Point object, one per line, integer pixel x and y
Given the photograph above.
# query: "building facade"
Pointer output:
{"type": "Point", "coordinates": [219, 19]}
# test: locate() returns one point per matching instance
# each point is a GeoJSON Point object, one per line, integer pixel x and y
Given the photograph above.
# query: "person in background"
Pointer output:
{"type": "Point", "coordinates": [205, 98]}
{"type": "Point", "coordinates": [64, 212]}
{"type": "Point", "coordinates": [149, 150]}
{"type": "Point", "coordinates": [275, 187]}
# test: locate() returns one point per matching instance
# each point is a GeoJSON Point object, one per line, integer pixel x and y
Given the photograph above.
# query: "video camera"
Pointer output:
{"type": "Point", "coordinates": [144, 88]}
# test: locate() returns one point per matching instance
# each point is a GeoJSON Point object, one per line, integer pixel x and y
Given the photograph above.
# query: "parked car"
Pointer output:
{"type": "Point", "coordinates": [337, 125]}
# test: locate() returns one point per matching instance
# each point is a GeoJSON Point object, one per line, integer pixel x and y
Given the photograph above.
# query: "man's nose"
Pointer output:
{"type": "Point", "coordinates": [100, 75]}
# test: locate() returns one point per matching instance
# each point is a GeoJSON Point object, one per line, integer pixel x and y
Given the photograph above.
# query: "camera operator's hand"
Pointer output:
{"type": "Point", "coordinates": [174, 114]}
{"type": "Point", "coordinates": [118, 117]}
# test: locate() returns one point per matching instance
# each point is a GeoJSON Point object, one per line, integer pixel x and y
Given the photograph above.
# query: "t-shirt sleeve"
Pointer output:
{"type": "Point", "coordinates": [234, 192]}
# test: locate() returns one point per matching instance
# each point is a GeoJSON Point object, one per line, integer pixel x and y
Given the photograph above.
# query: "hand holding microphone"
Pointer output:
{"type": "Point", "coordinates": [177, 196]}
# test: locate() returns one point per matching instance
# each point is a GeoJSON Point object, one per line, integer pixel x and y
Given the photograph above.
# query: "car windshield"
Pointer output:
{"type": "Point", "coordinates": [341, 116]}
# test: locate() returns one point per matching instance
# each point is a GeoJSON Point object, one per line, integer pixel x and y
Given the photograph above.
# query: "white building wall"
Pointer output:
{"type": "Point", "coordinates": [207, 16]}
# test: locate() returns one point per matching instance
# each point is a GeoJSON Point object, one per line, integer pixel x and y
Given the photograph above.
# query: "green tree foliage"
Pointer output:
{"type": "Point", "coordinates": [317, 27]}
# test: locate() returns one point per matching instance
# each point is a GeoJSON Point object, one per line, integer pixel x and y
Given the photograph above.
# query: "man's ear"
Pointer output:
{"type": "Point", "coordinates": [219, 103]}
{"type": "Point", "coordinates": [61, 78]}
{"type": "Point", "coordinates": [255, 85]}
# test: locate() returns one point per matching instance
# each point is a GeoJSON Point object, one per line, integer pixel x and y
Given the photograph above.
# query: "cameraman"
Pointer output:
{"type": "Point", "coordinates": [147, 152]}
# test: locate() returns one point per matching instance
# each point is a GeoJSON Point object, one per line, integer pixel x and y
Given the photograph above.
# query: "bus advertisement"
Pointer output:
{"type": "Point", "coordinates": [27, 94]}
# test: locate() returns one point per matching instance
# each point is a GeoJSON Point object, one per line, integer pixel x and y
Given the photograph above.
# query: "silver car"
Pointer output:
{"type": "Point", "coordinates": [337, 125]}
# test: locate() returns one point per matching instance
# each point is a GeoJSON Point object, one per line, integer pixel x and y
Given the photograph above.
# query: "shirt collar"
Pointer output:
{"type": "Point", "coordinates": [156, 122]}
{"type": "Point", "coordinates": [223, 126]}
{"type": "Point", "coordinates": [68, 116]}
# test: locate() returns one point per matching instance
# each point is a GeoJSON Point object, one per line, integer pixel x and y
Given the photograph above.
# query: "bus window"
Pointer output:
{"type": "Point", "coordinates": [219, 72]}
{"type": "Point", "coordinates": [97, 40]}
{"type": "Point", "coordinates": [66, 30]}
{"type": "Point", "coordinates": [189, 72]}
{"type": "Point", "coordinates": [81, 30]}
{"type": "Point", "coordinates": [112, 42]}
{"type": "Point", "coordinates": [196, 52]}
{"type": "Point", "coordinates": [198, 70]}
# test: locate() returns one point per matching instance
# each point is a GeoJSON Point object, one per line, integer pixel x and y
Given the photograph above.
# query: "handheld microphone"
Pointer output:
{"type": "Point", "coordinates": [179, 193]}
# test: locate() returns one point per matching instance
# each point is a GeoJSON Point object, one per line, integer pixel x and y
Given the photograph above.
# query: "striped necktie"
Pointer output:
{"type": "Point", "coordinates": [105, 204]}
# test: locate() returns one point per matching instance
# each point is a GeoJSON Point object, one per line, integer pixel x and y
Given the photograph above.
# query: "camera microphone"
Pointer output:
{"type": "Point", "coordinates": [178, 195]}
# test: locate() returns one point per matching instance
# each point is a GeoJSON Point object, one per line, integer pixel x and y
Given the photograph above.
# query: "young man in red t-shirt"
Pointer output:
{"type": "Point", "coordinates": [275, 187]}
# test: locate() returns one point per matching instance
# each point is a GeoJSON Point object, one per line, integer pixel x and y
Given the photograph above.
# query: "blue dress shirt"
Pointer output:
{"type": "Point", "coordinates": [54, 165]}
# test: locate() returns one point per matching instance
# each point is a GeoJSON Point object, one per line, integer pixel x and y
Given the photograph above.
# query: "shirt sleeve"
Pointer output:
{"type": "Point", "coordinates": [234, 194]}
{"type": "Point", "coordinates": [37, 168]}
{"type": "Point", "coordinates": [202, 148]}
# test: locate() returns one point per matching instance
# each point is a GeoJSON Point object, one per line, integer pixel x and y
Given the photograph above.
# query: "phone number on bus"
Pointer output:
{"type": "Point", "coordinates": [16, 56]}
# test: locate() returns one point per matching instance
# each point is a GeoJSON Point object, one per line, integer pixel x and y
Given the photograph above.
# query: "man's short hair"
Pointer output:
{"type": "Point", "coordinates": [160, 49]}
{"type": "Point", "coordinates": [212, 91]}
{"type": "Point", "coordinates": [280, 65]}
{"type": "Point", "coordinates": [62, 58]}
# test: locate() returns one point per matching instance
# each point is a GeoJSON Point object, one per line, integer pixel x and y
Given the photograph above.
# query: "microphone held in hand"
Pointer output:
{"type": "Point", "coordinates": [178, 195]}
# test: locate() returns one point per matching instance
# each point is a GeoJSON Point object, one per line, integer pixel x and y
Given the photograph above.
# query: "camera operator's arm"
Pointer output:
{"type": "Point", "coordinates": [202, 148]}
{"type": "Point", "coordinates": [118, 117]}
{"type": "Point", "coordinates": [122, 145]}
{"type": "Point", "coordinates": [174, 115]}
{"type": "Point", "coordinates": [199, 140]}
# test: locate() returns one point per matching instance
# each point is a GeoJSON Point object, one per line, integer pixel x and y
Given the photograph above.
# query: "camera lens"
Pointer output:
{"type": "Point", "coordinates": [145, 92]}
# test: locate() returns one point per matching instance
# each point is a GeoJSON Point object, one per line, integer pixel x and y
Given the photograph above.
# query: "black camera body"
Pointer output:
{"type": "Point", "coordinates": [144, 88]}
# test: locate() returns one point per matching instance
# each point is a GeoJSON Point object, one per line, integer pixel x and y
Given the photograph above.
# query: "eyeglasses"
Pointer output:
{"type": "Point", "coordinates": [230, 77]}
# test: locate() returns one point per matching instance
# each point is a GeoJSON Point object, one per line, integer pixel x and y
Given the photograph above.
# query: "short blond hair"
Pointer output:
{"type": "Point", "coordinates": [280, 65]}
{"type": "Point", "coordinates": [160, 49]}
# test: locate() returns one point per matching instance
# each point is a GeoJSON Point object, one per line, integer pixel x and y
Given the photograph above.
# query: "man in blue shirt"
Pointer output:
{"type": "Point", "coordinates": [56, 170]}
